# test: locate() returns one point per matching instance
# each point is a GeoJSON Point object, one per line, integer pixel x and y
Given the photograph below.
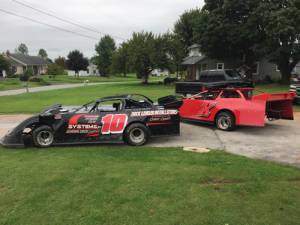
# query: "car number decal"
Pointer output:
{"type": "Point", "coordinates": [114, 123]}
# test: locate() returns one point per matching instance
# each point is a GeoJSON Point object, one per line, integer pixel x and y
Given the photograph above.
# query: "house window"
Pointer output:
{"type": "Point", "coordinates": [220, 66]}
{"type": "Point", "coordinates": [294, 70]}
{"type": "Point", "coordinates": [256, 68]}
{"type": "Point", "coordinates": [203, 67]}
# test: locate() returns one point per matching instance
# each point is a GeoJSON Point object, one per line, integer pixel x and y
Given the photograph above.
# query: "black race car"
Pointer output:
{"type": "Point", "coordinates": [130, 118]}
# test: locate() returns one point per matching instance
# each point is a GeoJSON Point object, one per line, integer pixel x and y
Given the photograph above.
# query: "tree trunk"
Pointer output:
{"type": "Point", "coordinates": [286, 76]}
{"type": "Point", "coordinates": [145, 79]}
{"type": "Point", "coordinates": [249, 62]}
{"type": "Point", "coordinates": [26, 87]}
{"type": "Point", "coordinates": [177, 71]}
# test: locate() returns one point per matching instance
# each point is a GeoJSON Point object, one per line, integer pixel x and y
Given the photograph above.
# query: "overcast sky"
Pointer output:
{"type": "Point", "coordinates": [115, 17]}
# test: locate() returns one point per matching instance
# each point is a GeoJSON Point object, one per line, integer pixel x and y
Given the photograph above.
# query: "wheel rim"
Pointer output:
{"type": "Point", "coordinates": [45, 138]}
{"type": "Point", "coordinates": [137, 135]}
{"type": "Point", "coordinates": [224, 123]}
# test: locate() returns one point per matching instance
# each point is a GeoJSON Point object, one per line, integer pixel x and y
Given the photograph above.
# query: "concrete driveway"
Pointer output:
{"type": "Point", "coordinates": [278, 141]}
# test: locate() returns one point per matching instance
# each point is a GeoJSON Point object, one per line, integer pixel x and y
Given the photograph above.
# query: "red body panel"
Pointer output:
{"type": "Point", "coordinates": [250, 111]}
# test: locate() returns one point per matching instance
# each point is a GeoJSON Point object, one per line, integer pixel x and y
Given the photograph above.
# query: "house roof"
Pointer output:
{"type": "Point", "coordinates": [194, 46]}
{"type": "Point", "coordinates": [28, 60]}
{"type": "Point", "coordinates": [192, 60]}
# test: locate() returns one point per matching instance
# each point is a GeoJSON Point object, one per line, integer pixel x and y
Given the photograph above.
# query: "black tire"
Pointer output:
{"type": "Point", "coordinates": [43, 137]}
{"type": "Point", "coordinates": [136, 134]}
{"type": "Point", "coordinates": [225, 121]}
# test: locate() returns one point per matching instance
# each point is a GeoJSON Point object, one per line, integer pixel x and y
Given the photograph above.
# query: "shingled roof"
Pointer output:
{"type": "Point", "coordinates": [192, 60]}
{"type": "Point", "coordinates": [28, 60]}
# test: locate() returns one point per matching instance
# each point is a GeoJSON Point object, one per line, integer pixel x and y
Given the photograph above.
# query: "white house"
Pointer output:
{"type": "Point", "coordinates": [92, 70]}
{"type": "Point", "coordinates": [160, 72]}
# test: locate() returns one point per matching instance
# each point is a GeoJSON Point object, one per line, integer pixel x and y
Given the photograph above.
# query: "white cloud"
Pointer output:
{"type": "Point", "coordinates": [114, 17]}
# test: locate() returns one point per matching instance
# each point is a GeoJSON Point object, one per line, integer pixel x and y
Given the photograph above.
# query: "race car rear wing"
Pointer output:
{"type": "Point", "coordinates": [278, 106]}
{"type": "Point", "coordinates": [170, 102]}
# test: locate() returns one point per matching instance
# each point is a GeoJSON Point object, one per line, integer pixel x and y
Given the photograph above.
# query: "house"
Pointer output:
{"type": "Point", "coordinates": [92, 70]}
{"type": "Point", "coordinates": [160, 72]}
{"type": "Point", "coordinates": [197, 62]}
{"type": "Point", "coordinates": [20, 63]}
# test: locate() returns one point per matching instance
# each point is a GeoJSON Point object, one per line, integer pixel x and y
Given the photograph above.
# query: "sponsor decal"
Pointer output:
{"type": "Point", "coordinates": [154, 113]}
{"type": "Point", "coordinates": [84, 124]}
{"type": "Point", "coordinates": [159, 118]}
{"type": "Point", "coordinates": [84, 117]}
{"type": "Point", "coordinates": [87, 124]}
{"type": "Point", "coordinates": [58, 116]}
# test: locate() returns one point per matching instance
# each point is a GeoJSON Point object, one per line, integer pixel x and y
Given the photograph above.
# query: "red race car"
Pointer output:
{"type": "Point", "coordinates": [231, 107]}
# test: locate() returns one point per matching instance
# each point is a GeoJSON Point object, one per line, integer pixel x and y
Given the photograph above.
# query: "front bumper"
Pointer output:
{"type": "Point", "coordinates": [11, 141]}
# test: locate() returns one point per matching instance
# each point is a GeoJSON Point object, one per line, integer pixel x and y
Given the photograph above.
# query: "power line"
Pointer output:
{"type": "Point", "coordinates": [64, 20]}
{"type": "Point", "coordinates": [46, 24]}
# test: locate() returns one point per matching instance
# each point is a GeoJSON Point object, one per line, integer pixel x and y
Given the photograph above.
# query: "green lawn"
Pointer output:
{"type": "Point", "coordinates": [123, 185]}
{"type": "Point", "coordinates": [92, 79]}
{"type": "Point", "coordinates": [14, 83]}
{"type": "Point", "coordinates": [35, 102]}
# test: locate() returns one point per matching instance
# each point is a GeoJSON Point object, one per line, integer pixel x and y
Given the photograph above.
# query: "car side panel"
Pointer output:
{"type": "Point", "coordinates": [246, 112]}
{"type": "Point", "coordinates": [108, 127]}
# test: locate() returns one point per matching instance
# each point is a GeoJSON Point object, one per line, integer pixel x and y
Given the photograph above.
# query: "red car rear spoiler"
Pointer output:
{"type": "Point", "coordinates": [278, 105]}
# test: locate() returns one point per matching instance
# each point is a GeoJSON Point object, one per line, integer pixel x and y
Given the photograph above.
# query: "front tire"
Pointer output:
{"type": "Point", "coordinates": [136, 134]}
{"type": "Point", "coordinates": [43, 137]}
{"type": "Point", "coordinates": [225, 121]}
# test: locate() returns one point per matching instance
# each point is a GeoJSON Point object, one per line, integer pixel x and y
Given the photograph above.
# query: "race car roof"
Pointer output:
{"type": "Point", "coordinates": [118, 97]}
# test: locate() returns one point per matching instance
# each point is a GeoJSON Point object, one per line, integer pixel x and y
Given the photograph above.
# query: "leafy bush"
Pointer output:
{"type": "Point", "coordinates": [54, 69]}
{"type": "Point", "coordinates": [170, 80]}
{"type": "Point", "coordinates": [12, 75]}
{"type": "Point", "coordinates": [37, 79]}
{"type": "Point", "coordinates": [28, 73]}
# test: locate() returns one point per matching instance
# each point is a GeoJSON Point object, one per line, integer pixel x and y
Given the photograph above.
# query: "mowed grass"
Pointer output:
{"type": "Point", "coordinates": [59, 79]}
{"type": "Point", "coordinates": [124, 185]}
{"type": "Point", "coordinates": [14, 83]}
{"type": "Point", "coordinates": [35, 102]}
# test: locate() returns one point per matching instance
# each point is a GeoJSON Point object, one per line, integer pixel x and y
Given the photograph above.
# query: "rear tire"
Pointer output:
{"type": "Point", "coordinates": [225, 121]}
{"type": "Point", "coordinates": [136, 134]}
{"type": "Point", "coordinates": [43, 137]}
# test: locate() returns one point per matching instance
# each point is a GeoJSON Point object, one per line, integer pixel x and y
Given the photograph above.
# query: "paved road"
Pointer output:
{"type": "Point", "coordinates": [56, 87]}
{"type": "Point", "coordinates": [279, 141]}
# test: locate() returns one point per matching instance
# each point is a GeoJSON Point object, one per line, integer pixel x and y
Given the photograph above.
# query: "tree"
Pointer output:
{"type": "Point", "coordinates": [281, 23]}
{"type": "Point", "coordinates": [61, 61]}
{"type": "Point", "coordinates": [76, 61]}
{"type": "Point", "coordinates": [146, 53]}
{"type": "Point", "coordinates": [185, 27]}
{"type": "Point", "coordinates": [43, 53]}
{"type": "Point", "coordinates": [175, 50]}
{"type": "Point", "coordinates": [4, 64]}
{"type": "Point", "coordinates": [230, 29]}
{"type": "Point", "coordinates": [105, 49]}
{"type": "Point", "coordinates": [22, 49]}
{"type": "Point", "coordinates": [26, 76]}
{"type": "Point", "coordinates": [120, 60]}
{"type": "Point", "coordinates": [55, 69]}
